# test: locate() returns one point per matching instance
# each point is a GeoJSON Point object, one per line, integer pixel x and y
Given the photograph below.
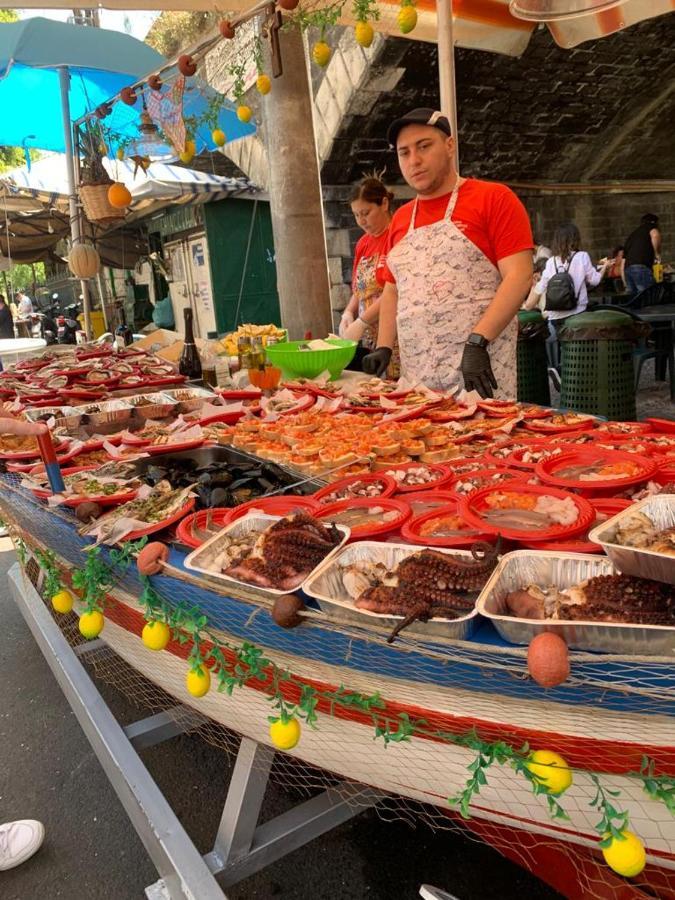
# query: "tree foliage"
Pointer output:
{"type": "Point", "coordinates": [173, 31]}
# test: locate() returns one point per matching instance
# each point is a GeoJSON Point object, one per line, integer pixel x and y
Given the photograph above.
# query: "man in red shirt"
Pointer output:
{"type": "Point", "coordinates": [458, 267]}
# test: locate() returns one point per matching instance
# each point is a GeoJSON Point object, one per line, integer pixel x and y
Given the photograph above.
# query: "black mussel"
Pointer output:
{"type": "Point", "coordinates": [219, 497]}
{"type": "Point", "coordinates": [204, 478]}
{"type": "Point", "coordinates": [204, 496]}
{"type": "Point", "coordinates": [264, 486]}
{"type": "Point", "coordinates": [240, 482]}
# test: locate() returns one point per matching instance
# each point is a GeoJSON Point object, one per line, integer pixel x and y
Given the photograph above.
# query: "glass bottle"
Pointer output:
{"type": "Point", "coordinates": [190, 363]}
{"type": "Point", "coordinates": [123, 334]}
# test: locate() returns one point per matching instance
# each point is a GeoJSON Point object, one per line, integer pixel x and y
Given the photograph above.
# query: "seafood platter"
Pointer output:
{"type": "Point", "coordinates": [376, 538]}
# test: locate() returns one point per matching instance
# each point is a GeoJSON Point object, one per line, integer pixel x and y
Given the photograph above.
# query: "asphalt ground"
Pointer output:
{"type": "Point", "coordinates": [91, 852]}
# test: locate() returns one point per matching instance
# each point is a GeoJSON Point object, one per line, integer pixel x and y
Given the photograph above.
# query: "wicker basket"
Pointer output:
{"type": "Point", "coordinates": [95, 203]}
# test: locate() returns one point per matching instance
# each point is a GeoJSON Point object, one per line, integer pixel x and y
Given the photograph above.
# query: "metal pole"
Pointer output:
{"type": "Point", "coordinates": [75, 231]}
{"type": "Point", "coordinates": [446, 67]}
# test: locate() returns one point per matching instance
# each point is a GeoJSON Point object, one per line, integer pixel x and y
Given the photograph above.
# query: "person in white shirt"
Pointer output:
{"type": "Point", "coordinates": [567, 257]}
{"type": "Point", "coordinates": [25, 305]}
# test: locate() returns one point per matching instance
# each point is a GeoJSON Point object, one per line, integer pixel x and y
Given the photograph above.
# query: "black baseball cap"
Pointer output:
{"type": "Point", "coordinates": [421, 116]}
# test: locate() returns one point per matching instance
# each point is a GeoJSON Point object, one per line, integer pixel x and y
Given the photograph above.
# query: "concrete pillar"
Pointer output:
{"type": "Point", "coordinates": [295, 196]}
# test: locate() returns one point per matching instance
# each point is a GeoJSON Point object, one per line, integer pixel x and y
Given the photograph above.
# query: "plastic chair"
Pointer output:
{"type": "Point", "coordinates": [654, 295]}
{"type": "Point", "coordinates": [643, 352]}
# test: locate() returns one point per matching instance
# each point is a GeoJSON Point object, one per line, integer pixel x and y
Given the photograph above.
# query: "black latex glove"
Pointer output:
{"type": "Point", "coordinates": [477, 371]}
{"type": "Point", "coordinates": [376, 363]}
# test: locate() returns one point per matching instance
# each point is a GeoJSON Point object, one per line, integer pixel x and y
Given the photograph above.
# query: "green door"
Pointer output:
{"type": "Point", "coordinates": [232, 228]}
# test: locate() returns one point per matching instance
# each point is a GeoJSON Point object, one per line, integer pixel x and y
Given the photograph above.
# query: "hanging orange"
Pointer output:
{"type": "Point", "coordinates": [118, 195]}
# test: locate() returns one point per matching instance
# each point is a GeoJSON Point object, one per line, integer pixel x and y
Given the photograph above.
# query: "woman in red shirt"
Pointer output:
{"type": "Point", "coordinates": [371, 205]}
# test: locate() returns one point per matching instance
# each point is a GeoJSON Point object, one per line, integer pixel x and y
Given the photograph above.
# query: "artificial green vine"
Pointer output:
{"type": "Point", "coordinates": [238, 71]}
{"type": "Point", "coordinates": [52, 582]}
{"type": "Point", "coordinates": [658, 787]}
{"type": "Point", "coordinates": [365, 10]}
{"type": "Point", "coordinates": [97, 577]}
{"type": "Point", "coordinates": [613, 821]}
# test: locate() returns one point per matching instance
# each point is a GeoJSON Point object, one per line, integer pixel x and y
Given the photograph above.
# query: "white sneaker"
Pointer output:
{"type": "Point", "coordinates": [19, 841]}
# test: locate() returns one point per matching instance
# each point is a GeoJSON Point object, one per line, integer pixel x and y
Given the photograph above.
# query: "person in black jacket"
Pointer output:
{"type": "Point", "coordinates": [6, 320]}
{"type": "Point", "coordinates": [642, 249]}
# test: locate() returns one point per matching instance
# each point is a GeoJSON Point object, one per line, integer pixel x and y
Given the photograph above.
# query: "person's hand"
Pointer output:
{"type": "Point", "coordinates": [476, 370]}
{"type": "Point", "coordinates": [346, 320]}
{"type": "Point", "coordinates": [11, 425]}
{"type": "Point", "coordinates": [376, 362]}
{"type": "Point", "coordinates": [355, 331]}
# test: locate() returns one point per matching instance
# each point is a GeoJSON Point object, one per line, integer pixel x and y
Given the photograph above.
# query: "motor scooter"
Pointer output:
{"type": "Point", "coordinates": [67, 326]}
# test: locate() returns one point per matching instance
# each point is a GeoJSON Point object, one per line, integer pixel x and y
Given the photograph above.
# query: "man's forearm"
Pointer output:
{"type": "Point", "coordinates": [504, 306]}
{"type": "Point", "coordinates": [386, 334]}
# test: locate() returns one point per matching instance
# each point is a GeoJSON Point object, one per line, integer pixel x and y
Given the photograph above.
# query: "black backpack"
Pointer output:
{"type": "Point", "coordinates": [560, 293]}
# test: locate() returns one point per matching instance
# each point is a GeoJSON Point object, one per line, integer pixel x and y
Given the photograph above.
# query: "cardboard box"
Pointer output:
{"type": "Point", "coordinates": [166, 344]}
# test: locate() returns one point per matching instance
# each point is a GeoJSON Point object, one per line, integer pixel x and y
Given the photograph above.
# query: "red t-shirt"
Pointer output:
{"type": "Point", "coordinates": [489, 214]}
{"type": "Point", "coordinates": [367, 247]}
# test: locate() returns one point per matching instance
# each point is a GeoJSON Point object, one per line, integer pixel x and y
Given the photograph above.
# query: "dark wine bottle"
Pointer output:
{"type": "Point", "coordinates": [190, 363]}
{"type": "Point", "coordinates": [123, 334]}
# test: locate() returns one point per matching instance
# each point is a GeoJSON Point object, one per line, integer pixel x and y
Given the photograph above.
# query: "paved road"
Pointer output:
{"type": "Point", "coordinates": [48, 772]}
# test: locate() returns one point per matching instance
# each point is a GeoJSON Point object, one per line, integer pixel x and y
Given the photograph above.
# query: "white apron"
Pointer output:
{"type": "Point", "coordinates": [445, 284]}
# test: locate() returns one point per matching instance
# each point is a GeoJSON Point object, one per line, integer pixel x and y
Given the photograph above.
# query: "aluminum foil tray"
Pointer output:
{"type": "Point", "coordinates": [199, 559]}
{"type": "Point", "coordinates": [110, 411]}
{"type": "Point", "coordinates": [525, 567]}
{"type": "Point", "coordinates": [326, 587]}
{"type": "Point", "coordinates": [159, 405]}
{"type": "Point", "coordinates": [642, 563]}
{"type": "Point", "coordinates": [64, 416]}
{"type": "Point", "coordinates": [196, 397]}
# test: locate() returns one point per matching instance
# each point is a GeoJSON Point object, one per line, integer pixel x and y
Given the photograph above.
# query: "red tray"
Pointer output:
{"type": "Point", "coordinates": [390, 486]}
{"type": "Point", "coordinates": [159, 526]}
{"type": "Point", "coordinates": [157, 382]}
{"type": "Point", "coordinates": [515, 459]}
{"type": "Point", "coordinates": [445, 475]}
{"type": "Point", "coordinates": [547, 469]}
{"type": "Point", "coordinates": [84, 394]}
{"type": "Point", "coordinates": [30, 454]}
{"type": "Point", "coordinates": [411, 530]}
{"type": "Point", "coordinates": [365, 532]}
{"type": "Point", "coordinates": [227, 418]}
{"type": "Point", "coordinates": [581, 544]}
{"type": "Point", "coordinates": [219, 517]}
{"type": "Point", "coordinates": [532, 411]}
{"type": "Point", "coordinates": [278, 505]}
{"type": "Point", "coordinates": [499, 409]}
{"type": "Point", "coordinates": [662, 426]}
{"type": "Point", "coordinates": [43, 493]}
{"type": "Point", "coordinates": [157, 449]}
{"type": "Point", "coordinates": [472, 506]}
{"type": "Point", "coordinates": [39, 400]}
{"type": "Point", "coordinates": [512, 475]}
{"type": "Point", "coordinates": [240, 395]}
{"type": "Point", "coordinates": [492, 460]}
{"type": "Point", "coordinates": [625, 430]}
{"type": "Point", "coordinates": [551, 428]}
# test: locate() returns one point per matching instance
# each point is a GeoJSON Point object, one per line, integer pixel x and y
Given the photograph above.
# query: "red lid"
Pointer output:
{"type": "Point", "coordinates": [411, 530]}
{"type": "Point", "coordinates": [662, 426]}
{"type": "Point", "coordinates": [369, 530]}
{"type": "Point", "coordinates": [387, 482]}
{"type": "Point", "coordinates": [219, 518]}
{"type": "Point", "coordinates": [475, 506]}
{"type": "Point", "coordinates": [443, 476]}
{"type": "Point", "coordinates": [278, 505]}
{"type": "Point", "coordinates": [638, 468]}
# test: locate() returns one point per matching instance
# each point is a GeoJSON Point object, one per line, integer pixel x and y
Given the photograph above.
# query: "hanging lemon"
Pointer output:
{"type": "Point", "coordinates": [218, 137]}
{"type": "Point", "coordinates": [244, 113]}
{"type": "Point", "coordinates": [120, 153]}
{"type": "Point", "coordinates": [62, 601]}
{"type": "Point", "coordinates": [198, 681]}
{"type": "Point", "coordinates": [156, 635]}
{"type": "Point", "coordinates": [407, 18]}
{"type": "Point", "coordinates": [188, 153]}
{"type": "Point", "coordinates": [627, 857]}
{"type": "Point", "coordinates": [321, 53]}
{"type": "Point", "coordinates": [91, 624]}
{"type": "Point", "coordinates": [263, 84]}
{"type": "Point", "coordinates": [285, 735]}
{"type": "Point", "coordinates": [551, 770]}
{"type": "Point", "coordinates": [364, 34]}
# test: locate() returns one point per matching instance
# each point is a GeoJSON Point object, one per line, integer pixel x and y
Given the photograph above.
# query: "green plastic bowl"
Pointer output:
{"type": "Point", "coordinates": [294, 362]}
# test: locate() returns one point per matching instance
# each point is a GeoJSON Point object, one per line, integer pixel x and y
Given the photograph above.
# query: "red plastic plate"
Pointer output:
{"type": "Point", "coordinates": [279, 505]}
{"type": "Point", "coordinates": [219, 518]}
{"type": "Point", "coordinates": [364, 532]}
{"type": "Point", "coordinates": [389, 486]}
{"type": "Point", "coordinates": [165, 523]}
{"type": "Point", "coordinates": [423, 502]}
{"type": "Point", "coordinates": [604, 509]}
{"type": "Point", "coordinates": [240, 395]}
{"type": "Point", "coordinates": [31, 454]}
{"type": "Point", "coordinates": [543, 427]}
{"type": "Point", "coordinates": [662, 426]}
{"type": "Point", "coordinates": [443, 473]}
{"type": "Point", "coordinates": [487, 477]}
{"type": "Point", "coordinates": [515, 458]}
{"type": "Point", "coordinates": [548, 469]}
{"type": "Point", "coordinates": [156, 449]}
{"type": "Point", "coordinates": [411, 529]}
{"type": "Point", "coordinates": [474, 506]}
{"type": "Point", "coordinates": [624, 429]}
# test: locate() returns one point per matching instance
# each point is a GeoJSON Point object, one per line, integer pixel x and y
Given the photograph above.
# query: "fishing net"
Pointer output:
{"type": "Point", "coordinates": [413, 722]}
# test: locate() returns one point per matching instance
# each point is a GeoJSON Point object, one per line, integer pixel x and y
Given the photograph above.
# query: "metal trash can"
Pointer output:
{"type": "Point", "coordinates": [597, 363]}
{"type": "Point", "coordinates": [532, 366]}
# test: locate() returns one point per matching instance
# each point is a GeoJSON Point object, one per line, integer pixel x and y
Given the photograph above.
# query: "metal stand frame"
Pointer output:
{"type": "Point", "coordinates": [242, 846]}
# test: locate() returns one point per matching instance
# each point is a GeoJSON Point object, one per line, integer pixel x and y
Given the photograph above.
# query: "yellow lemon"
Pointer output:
{"type": "Point", "coordinates": [321, 53]}
{"type": "Point", "coordinates": [407, 19]}
{"type": "Point", "coordinates": [626, 857]}
{"type": "Point", "coordinates": [364, 34]}
{"type": "Point", "coordinates": [156, 635]}
{"type": "Point", "coordinates": [120, 153]}
{"type": "Point", "coordinates": [218, 137]}
{"type": "Point", "coordinates": [198, 681]}
{"type": "Point", "coordinates": [244, 113]}
{"type": "Point", "coordinates": [285, 735]}
{"type": "Point", "coordinates": [188, 153]}
{"type": "Point", "coordinates": [263, 84]}
{"type": "Point", "coordinates": [551, 770]}
{"type": "Point", "coordinates": [62, 601]}
{"type": "Point", "coordinates": [91, 624]}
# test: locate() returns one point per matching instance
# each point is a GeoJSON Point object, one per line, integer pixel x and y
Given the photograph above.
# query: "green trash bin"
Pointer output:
{"type": "Point", "coordinates": [597, 363]}
{"type": "Point", "coordinates": [532, 366]}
